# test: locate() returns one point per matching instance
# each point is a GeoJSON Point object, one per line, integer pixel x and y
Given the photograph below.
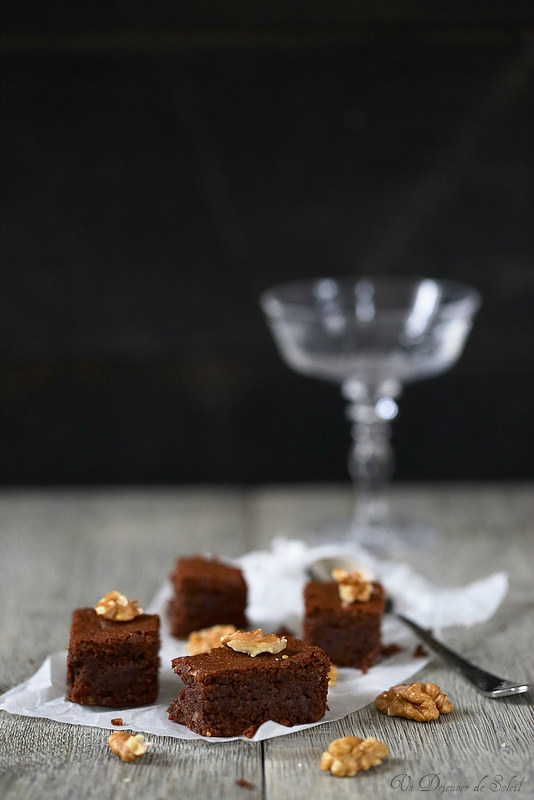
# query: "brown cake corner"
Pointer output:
{"type": "Point", "coordinates": [207, 592]}
{"type": "Point", "coordinates": [228, 693]}
{"type": "Point", "coordinates": [348, 633]}
{"type": "Point", "coordinates": [112, 664]}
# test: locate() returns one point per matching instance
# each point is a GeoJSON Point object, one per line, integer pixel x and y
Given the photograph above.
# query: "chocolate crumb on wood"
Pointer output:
{"type": "Point", "coordinates": [245, 784]}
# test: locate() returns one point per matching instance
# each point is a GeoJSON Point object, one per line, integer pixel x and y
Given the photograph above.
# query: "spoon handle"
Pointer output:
{"type": "Point", "coordinates": [485, 682]}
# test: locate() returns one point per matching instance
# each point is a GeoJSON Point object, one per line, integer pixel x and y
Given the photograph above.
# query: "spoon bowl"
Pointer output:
{"type": "Point", "coordinates": [321, 569]}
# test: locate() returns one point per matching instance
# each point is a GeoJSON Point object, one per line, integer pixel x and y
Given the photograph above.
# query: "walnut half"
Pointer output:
{"type": "Point", "coordinates": [206, 639]}
{"type": "Point", "coordinates": [352, 586]}
{"type": "Point", "coordinates": [254, 642]}
{"type": "Point", "coordinates": [116, 606]}
{"type": "Point", "coordinates": [419, 701]}
{"type": "Point", "coordinates": [126, 745]}
{"type": "Point", "coordinates": [347, 756]}
{"type": "Point", "coordinates": [332, 675]}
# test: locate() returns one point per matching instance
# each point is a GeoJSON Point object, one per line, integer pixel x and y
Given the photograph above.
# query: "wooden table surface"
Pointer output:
{"type": "Point", "coordinates": [61, 549]}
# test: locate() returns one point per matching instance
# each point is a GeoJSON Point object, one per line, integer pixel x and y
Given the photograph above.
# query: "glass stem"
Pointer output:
{"type": "Point", "coordinates": [370, 411]}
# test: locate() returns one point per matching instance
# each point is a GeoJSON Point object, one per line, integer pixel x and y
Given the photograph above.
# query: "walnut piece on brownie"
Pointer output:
{"type": "Point", "coordinates": [254, 642]}
{"type": "Point", "coordinates": [352, 586]}
{"type": "Point", "coordinates": [117, 607]}
{"type": "Point", "coordinates": [206, 639]}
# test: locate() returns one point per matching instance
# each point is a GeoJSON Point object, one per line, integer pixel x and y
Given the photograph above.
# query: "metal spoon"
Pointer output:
{"type": "Point", "coordinates": [490, 685]}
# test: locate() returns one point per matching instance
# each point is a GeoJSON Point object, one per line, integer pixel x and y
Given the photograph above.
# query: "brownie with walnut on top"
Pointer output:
{"type": "Point", "coordinates": [207, 592]}
{"type": "Point", "coordinates": [230, 693]}
{"type": "Point", "coordinates": [348, 630]}
{"type": "Point", "coordinates": [113, 662]}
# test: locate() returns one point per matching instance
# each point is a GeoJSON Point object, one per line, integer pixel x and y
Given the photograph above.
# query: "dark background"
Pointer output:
{"type": "Point", "coordinates": [162, 165]}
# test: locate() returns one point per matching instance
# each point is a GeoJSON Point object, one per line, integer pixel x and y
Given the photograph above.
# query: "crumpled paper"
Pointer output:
{"type": "Point", "coordinates": [275, 579]}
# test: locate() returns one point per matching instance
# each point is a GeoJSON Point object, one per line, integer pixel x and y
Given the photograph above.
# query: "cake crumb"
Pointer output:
{"type": "Point", "coordinates": [419, 651]}
{"type": "Point", "coordinates": [283, 631]}
{"type": "Point", "coordinates": [245, 784]}
{"type": "Point", "coordinates": [389, 650]}
{"type": "Point", "coordinates": [117, 721]}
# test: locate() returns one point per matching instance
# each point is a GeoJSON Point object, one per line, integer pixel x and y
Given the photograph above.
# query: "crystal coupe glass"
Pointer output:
{"type": "Point", "coordinates": [371, 335]}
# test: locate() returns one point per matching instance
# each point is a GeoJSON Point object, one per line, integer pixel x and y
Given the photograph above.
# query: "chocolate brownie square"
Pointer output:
{"type": "Point", "coordinates": [207, 593]}
{"type": "Point", "coordinates": [228, 693]}
{"type": "Point", "coordinates": [111, 663]}
{"type": "Point", "coordinates": [348, 632]}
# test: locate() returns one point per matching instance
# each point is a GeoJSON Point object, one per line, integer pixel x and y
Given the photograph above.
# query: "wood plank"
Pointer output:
{"type": "Point", "coordinates": [59, 549]}
{"type": "Point", "coordinates": [51, 760]}
{"type": "Point", "coordinates": [63, 549]}
{"type": "Point", "coordinates": [485, 529]}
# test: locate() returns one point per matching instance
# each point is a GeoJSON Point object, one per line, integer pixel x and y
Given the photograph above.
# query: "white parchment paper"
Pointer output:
{"type": "Point", "coordinates": [275, 579]}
